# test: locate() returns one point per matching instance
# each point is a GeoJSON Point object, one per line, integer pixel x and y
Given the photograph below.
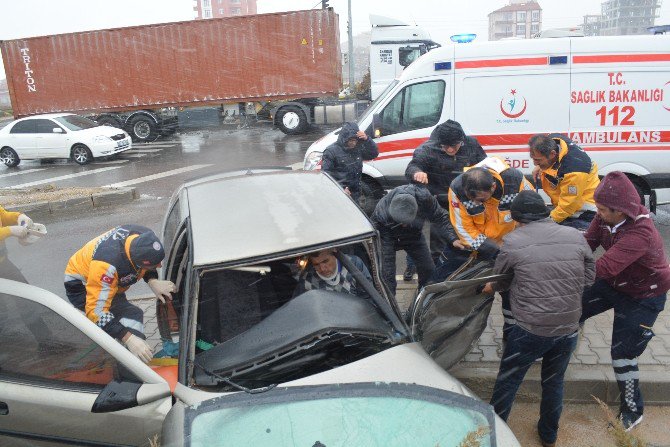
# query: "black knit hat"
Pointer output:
{"type": "Point", "coordinates": [528, 206]}
{"type": "Point", "coordinates": [450, 133]}
{"type": "Point", "coordinates": [146, 250]}
{"type": "Point", "coordinates": [403, 208]}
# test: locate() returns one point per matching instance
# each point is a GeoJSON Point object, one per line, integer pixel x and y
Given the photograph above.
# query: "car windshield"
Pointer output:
{"type": "Point", "coordinates": [316, 309]}
{"type": "Point", "coordinates": [76, 122]}
{"type": "Point", "coordinates": [361, 414]}
{"type": "Point", "coordinates": [379, 99]}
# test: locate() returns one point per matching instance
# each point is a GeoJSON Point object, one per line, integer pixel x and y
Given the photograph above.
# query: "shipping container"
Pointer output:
{"type": "Point", "coordinates": [123, 75]}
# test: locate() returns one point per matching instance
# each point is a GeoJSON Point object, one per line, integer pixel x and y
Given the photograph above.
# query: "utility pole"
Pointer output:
{"type": "Point", "coordinates": [351, 52]}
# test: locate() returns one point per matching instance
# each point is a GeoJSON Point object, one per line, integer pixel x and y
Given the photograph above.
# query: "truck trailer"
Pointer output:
{"type": "Point", "coordinates": [136, 77]}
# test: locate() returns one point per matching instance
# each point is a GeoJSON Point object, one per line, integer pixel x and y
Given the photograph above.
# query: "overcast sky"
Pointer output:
{"type": "Point", "coordinates": [442, 18]}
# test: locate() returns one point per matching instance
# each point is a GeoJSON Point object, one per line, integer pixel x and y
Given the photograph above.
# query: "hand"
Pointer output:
{"type": "Point", "coordinates": [138, 347]}
{"type": "Point", "coordinates": [487, 289]}
{"type": "Point", "coordinates": [18, 231]}
{"type": "Point", "coordinates": [458, 244]}
{"type": "Point", "coordinates": [361, 135]}
{"type": "Point", "coordinates": [421, 177]}
{"type": "Point", "coordinates": [347, 191]}
{"type": "Point", "coordinates": [25, 221]}
{"type": "Point", "coordinates": [162, 289]}
{"type": "Point", "coordinates": [536, 173]}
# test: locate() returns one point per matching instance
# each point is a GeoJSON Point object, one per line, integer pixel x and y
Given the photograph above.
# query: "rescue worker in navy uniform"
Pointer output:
{"type": "Point", "coordinates": [436, 163]}
{"type": "Point", "coordinates": [399, 218]}
{"type": "Point", "coordinates": [343, 160]}
{"type": "Point", "coordinates": [97, 276]}
{"type": "Point", "coordinates": [568, 177]}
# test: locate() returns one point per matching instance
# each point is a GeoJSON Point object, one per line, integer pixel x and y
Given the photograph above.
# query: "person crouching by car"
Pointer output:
{"type": "Point", "coordinates": [343, 160]}
{"type": "Point", "coordinates": [98, 275]}
{"type": "Point", "coordinates": [399, 218]}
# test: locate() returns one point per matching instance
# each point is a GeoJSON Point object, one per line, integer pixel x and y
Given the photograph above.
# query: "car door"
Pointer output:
{"type": "Point", "coordinates": [448, 318]}
{"type": "Point", "coordinates": [50, 144]}
{"type": "Point", "coordinates": [63, 381]}
{"type": "Point", "coordinates": [22, 138]}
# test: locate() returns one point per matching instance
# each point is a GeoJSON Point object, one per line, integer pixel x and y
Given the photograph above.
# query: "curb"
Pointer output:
{"type": "Point", "coordinates": [580, 384]}
{"type": "Point", "coordinates": [51, 209]}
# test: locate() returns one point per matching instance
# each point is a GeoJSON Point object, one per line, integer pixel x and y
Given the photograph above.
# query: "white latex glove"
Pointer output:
{"type": "Point", "coordinates": [25, 221]}
{"type": "Point", "coordinates": [139, 347]}
{"type": "Point", "coordinates": [18, 231]}
{"type": "Point", "coordinates": [162, 289]}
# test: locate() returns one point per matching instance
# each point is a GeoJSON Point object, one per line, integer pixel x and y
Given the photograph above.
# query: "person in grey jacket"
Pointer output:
{"type": "Point", "coordinates": [551, 265]}
{"type": "Point", "coordinates": [343, 160]}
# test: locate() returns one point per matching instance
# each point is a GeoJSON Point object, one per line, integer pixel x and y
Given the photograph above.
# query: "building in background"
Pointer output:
{"type": "Point", "coordinates": [623, 17]}
{"type": "Point", "coordinates": [591, 25]}
{"type": "Point", "coordinates": [209, 9]}
{"type": "Point", "coordinates": [519, 19]}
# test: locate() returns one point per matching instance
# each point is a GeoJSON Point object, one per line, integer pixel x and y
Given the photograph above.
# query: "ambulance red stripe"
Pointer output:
{"type": "Point", "coordinates": [609, 58]}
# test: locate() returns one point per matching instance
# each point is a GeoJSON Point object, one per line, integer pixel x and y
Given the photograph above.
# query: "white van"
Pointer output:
{"type": "Point", "coordinates": [611, 95]}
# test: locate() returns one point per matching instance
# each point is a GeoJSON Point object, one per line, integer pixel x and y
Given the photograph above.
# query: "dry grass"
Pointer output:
{"type": "Point", "coordinates": [622, 438]}
{"type": "Point", "coordinates": [474, 438]}
{"type": "Point", "coordinates": [153, 442]}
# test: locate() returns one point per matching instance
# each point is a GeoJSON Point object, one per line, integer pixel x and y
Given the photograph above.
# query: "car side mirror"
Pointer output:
{"type": "Point", "coordinates": [116, 396]}
{"type": "Point", "coordinates": [376, 125]}
{"type": "Point", "coordinates": [57, 130]}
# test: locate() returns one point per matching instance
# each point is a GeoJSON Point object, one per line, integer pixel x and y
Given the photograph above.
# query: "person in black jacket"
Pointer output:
{"type": "Point", "coordinates": [343, 160]}
{"type": "Point", "coordinates": [436, 163]}
{"type": "Point", "coordinates": [399, 218]}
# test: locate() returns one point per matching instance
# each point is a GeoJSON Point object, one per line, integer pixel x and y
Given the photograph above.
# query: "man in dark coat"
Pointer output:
{"type": "Point", "coordinates": [343, 160]}
{"type": "Point", "coordinates": [545, 303]}
{"type": "Point", "coordinates": [632, 277]}
{"type": "Point", "coordinates": [436, 163]}
{"type": "Point", "coordinates": [399, 218]}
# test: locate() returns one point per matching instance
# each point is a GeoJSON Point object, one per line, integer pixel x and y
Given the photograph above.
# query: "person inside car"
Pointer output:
{"type": "Point", "coordinates": [326, 272]}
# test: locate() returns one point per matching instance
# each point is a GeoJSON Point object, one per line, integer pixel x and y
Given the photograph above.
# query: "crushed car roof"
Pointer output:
{"type": "Point", "coordinates": [258, 213]}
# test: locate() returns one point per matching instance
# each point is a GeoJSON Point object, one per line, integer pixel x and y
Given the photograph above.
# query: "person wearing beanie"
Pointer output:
{"type": "Point", "coordinates": [568, 177]}
{"type": "Point", "coordinates": [632, 277]}
{"type": "Point", "coordinates": [436, 163]}
{"type": "Point", "coordinates": [98, 275]}
{"type": "Point", "coordinates": [399, 217]}
{"type": "Point", "coordinates": [545, 304]}
{"type": "Point", "coordinates": [343, 160]}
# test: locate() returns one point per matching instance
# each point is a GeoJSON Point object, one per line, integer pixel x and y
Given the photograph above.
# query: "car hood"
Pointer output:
{"type": "Point", "coordinates": [106, 131]}
{"type": "Point", "coordinates": [322, 143]}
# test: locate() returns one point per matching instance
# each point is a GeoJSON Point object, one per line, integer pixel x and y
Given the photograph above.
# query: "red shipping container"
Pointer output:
{"type": "Point", "coordinates": [235, 59]}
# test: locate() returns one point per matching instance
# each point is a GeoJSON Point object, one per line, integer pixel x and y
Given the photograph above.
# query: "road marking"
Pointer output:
{"type": "Point", "coordinates": [64, 177]}
{"type": "Point", "coordinates": [135, 155]}
{"type": "Point", "coordinates": [144, 151]}
{"type": "Point", "coordinates": [110, 162]}
{"type": "Point", "coordinates": [153, 145]}
{"type": "Point", "coordinates": [157, 176]}
{"type": "Point", "coordinates": [22, 172]}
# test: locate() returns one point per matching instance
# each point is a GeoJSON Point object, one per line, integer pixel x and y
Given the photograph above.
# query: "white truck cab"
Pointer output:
{"type": "Point", "coordinates": [611, 95]}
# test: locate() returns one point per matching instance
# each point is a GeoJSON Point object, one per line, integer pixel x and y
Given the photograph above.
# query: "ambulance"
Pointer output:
{"type": "Point", "coordinates": [611, 95]}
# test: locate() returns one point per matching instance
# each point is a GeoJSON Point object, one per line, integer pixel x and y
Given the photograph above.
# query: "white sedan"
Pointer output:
{"type": "Point", "coordinates": [59, 135]}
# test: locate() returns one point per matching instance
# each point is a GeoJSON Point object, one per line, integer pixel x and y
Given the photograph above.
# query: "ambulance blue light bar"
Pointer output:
{"type": "Point", "coordinates": [463, 38]}
{"type": "Point", "coordinates": [442, 66]}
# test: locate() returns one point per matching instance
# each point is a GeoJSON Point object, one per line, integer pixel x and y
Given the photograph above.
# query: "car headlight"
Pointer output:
{"type": "Point", "coordinates": [101, 139]}
{"type": "Point", "coordinates": [313, 161]}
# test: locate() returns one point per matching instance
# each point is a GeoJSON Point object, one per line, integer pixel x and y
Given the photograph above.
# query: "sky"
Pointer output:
{"type": "Point", "coordinates": [442, 18]}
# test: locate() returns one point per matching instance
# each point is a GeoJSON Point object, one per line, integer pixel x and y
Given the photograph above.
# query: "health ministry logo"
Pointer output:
{"type": "Point", "coordinates": [511, 107]}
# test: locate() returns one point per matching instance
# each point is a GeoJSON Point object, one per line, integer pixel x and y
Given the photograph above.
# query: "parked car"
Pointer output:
{"type": "Point", "coordinates": [59, 135]}
{"type": "Point", "coordinates": [256, 363]}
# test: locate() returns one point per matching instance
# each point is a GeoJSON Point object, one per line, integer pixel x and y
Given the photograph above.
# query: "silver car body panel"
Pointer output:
{"type": "Point", "coordinates": [223, 215]}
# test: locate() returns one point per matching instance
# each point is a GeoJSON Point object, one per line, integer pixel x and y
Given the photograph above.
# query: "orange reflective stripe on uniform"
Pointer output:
{"type": "Point", "coordinates": [101, 287]}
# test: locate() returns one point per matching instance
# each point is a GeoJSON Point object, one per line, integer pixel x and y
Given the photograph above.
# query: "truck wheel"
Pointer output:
{"type": "Point", "coordinates": [371, 192]}
{"type": "Point", "coordinates": [81, 154]}
{"type": "Point", "coordinates": [9, 157]}
{"type": "Point", "coordinates": [291, 120]}
{"type": "Point", "coordinates": [143, 129]}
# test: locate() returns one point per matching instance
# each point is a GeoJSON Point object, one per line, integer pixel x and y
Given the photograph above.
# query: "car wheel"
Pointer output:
{"type": "Point", "coordinates": [81, 154]}
{"type": "Point", "coordinates": [143, 129]}
{"type": "Point", "coordinates": [9, 157]}
{"type": "Point", "coordinates": [291, 120]}
{"type": "Point", "coordinates": [371, 192]}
